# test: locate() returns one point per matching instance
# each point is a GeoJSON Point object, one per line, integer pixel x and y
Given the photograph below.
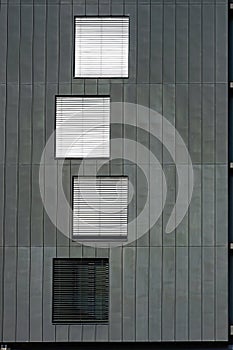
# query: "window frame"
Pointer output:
{"type": "Point", "coordinates": [92, 239]}
{"type": "Point", "coordinates": [129, 45]}
{"type": "Point", "coordinates": [55, 126]}
{"type": "Point", "coordinates": [106, 261]}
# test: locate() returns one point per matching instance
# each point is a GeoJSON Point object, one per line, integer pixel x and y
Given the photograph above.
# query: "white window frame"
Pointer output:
{"type": "Point", "coordinates": [115, 231]}
{"type": "Point", "coordinates": [85, 72]}
{"type": "Point", "coordinates": [73, 106]}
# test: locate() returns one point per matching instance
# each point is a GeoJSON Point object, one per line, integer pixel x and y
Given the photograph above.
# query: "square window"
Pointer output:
{"type": "Point", "coordinates": [82, 127]}
{"type": "Point", "coordinates": [100, 208]}
{"type": "Point", "coordinates": [80, 290]}
{"type": "Point", "coordinates": [101, 47]}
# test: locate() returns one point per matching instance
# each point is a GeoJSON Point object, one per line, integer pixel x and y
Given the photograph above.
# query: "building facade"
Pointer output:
{"type": "Point", "coordinates": [163, 287]}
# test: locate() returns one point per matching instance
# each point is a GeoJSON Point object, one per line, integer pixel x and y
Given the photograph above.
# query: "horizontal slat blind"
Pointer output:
{"type": "Point", "coordinates": [100, 208]}
{"type": "Point", "coordinates": [80, 290]}
{"type": "Point", "coordinates": [101, 46]}
{"type": "Point", "coordinates": [82, 127]}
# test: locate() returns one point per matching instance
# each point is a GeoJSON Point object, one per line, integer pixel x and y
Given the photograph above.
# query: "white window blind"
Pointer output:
{"type": "Point", "coordinates": [100, 208]}
{"type": "Point", "coordinates": [82, 127]}
{"type": "Point", "coordinates": [101, 47]}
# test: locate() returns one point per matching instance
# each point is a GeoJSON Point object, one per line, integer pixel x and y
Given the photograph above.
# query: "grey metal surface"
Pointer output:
{"type": "Point", "coordinates": [162, 287]}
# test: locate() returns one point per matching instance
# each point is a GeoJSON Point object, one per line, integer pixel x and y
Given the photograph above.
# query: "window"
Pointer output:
{"type": "Point", "coordinates": [82, 127]}
{"type": "Point", "coordinates": [101, 47]}
{"type": "Point", "coordinates": [100, 208]}
{"type": "Point", "coordinates": [80, 290]}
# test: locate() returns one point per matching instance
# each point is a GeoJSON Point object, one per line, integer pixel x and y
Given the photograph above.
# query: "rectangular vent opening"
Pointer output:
{"type": "Point", "coordinates": [101, 47]}
{"type": "Point", "coordinates": [82, 127]}
{"type": "Point", "coordinates": [80, 290]}
{"type": "Point", "coordinates": [100, 208]}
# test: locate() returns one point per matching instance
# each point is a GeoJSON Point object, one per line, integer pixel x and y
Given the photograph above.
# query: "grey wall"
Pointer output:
{"type": "Point", "coordinates": [163, 287]}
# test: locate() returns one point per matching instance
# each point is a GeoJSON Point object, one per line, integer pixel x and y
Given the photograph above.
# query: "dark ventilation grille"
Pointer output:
{"type": "Point", "coordinates": [80, 290]}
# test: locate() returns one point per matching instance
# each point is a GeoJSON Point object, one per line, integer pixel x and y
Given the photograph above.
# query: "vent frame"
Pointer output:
{"type": "Point", "coordinates": [103, 262]}
{"type": "Point", "coordinates": [74, 46]}
{"type": "Point", "coordinates": [57, 96]}
{"type": "Point", "coordinates": [94, 238]}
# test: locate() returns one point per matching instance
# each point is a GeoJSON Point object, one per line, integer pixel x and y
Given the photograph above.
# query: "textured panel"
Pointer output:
{"type": "Point", "coordinates": [143, 52]}
{"type": "Point", "coordinates": [182, 125]}
{"type": "Point", "coordinates": [2, 203]}
{"type": "Point", "coordinates": [169, 43]}
{"type": "Point", "coordinates": [155, 294]}
{"type": "Point", "coordinates": [38, 122]}
{"type": "Point", "coordinates": [131, 9]}
{"type": "Point", "coordinates": [9, 297]}
{"type": "Point", "coordinates": [208, 281]}
{"type": "Point", "coordinates": [26, 43]}
{"type": "Point", "coordinates": [37, 212]}
{"type": "Point", "coordinates": [116, 91]}
{"type": "Point", "coordinates": [24, 213]}
{"type": "Point", "coordinates": [66, 43]}
{"type": "Point", "coordinates": [208, 221]}
{"type": "Point", "coordinates": [13, 42]}
{"type": "Point", "coordinates": [48, 328]}
{"type": "Point", "coordinates": [10, 218]}
{"type": "Point", "coordinates": [181, 307]}
{"type": "Point", "coordinates": [221, 44]}
{"type": "Point", "coordinates": [36, 294]}
{"type": "Point", "coordinates": [62, 209]}
{"type": "Point", "coordinates": [195, 43]}
{"type": "Point", "coordinates": [195, 122]}
{"type": "Point", "coordinates": [1, 291]}
{"type": "Point", "coordinates": [128, 294]}
{"type": "Point", "coordinates": [182, 22]}
{"type": "Point", "coordinates": [39, 42]}
{"type": "Point", "coordinates": [3, 38]}
{"type": "Point", "coordinates": [52, 56]}
{"type": "Point", "coordinates": [221, 203]}
{"type": "Point", "coordinates": [156, 49]}
{"type": "Point", "coordinates": [221, 285]}
{"type": "Point", "coordinates": [116, 273]}
{"type": "Point", "coordinates": [221, 115]}
{"type": "Point", "coordinates": [195, 296]}
{"type": "Point", "coordinates": [208, 24]}
{"type": "Point", "coordinates": [168, 294]}
{"type": "Point", "coordinates": [25, 124]}
{"type": "Point", "coordinates": [23, 297]}
{"type": "Point", "coordinates": [195, 215]}
{"type": "Point", "coordinates": [3, 103]}
{"type": "Point", "coordinates": [208, 123]}
{"type": "Point", "coordinates": [12, 122]}
{"type": "Point", "coordinates": [142, 276]}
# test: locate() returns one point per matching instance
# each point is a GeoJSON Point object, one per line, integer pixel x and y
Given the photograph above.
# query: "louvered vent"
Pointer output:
{"type": "Point", "coordinates": [80, 290]}
{"type": "Point", "coordinates": [100, 208]}
{"type": "Point", "coordinates": [82, 127]}
{"type": "Point", "coordinates": [101, 47]}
